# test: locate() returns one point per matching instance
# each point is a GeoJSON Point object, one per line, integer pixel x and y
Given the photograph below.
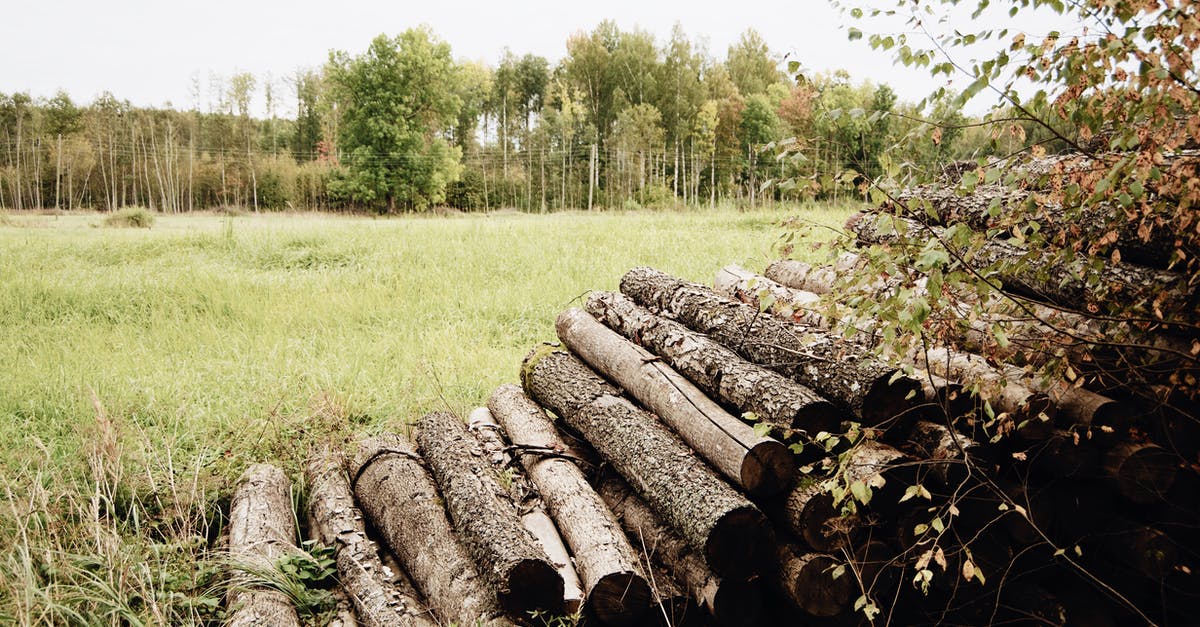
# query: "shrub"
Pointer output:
{"type": "Point", "coordinates": [131, 217]}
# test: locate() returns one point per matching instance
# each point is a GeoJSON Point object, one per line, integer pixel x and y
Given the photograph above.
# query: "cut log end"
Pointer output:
{"type": "Point", "coordinates": [741, 543]}
{"type": "Point", "coordinates": [737, 603]}
{"type": "Point", "coordinates": [887, 403]}
{"type": "Point", "coordinates": [619, 599]}
{"type": "Point", "coordinates": [768, 468]}
{"type": "Point", "coordinates": [532, 585]}
{"type": "Point", "coordinates": [817, 417]}
{"type": "Point", "coordinates": [808, 581]}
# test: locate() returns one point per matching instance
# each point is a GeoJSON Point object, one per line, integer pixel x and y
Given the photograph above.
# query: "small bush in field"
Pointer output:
{"type": "Point", "coordinates": [131, 217]}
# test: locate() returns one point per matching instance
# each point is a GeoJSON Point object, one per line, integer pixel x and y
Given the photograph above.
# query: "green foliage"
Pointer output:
{"type": "Point", "coordinates": [396, 101]}
{"type": "Point", "coordinates": [130, 217]}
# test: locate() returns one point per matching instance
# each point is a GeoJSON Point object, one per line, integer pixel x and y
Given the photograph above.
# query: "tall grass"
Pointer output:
{"type": "Point", "coordinates": [141, 371]}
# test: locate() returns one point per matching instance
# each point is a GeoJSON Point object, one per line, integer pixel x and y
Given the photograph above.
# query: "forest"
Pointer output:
{"type": "Point", "coordinates": [623, 121]}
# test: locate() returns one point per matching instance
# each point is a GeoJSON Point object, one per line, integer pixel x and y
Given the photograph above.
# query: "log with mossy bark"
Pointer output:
{"type": "Point", "coordinates": [731, 532]}
{"type": "Point", "coordinates": [261, 531]}
{"type": "Point", "coordinates": [401, 501]}
{"type": "Point", "coordinates": [486, 520]}
{"type": "Point", "coordinates": [758, 464]}
{"type": "Point", "coordinates": [1075, 281]}
{"type": "Point", "coordinates": [616, 591]}
{"type": "Point", "coordinates": [841, 371]}
{"type": "Point", "coordinates": [730, 602]}
{"type": "Point", "coordinates": [335, 521]}
{"type": "Point", "coordinates": [726, 376]}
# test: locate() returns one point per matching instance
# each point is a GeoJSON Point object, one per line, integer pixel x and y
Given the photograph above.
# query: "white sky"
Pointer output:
{"type": "Point", "coordinates": [148, 51]}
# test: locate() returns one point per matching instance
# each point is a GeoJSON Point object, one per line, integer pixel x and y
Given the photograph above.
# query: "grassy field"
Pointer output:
{"type": "Point", "coordinates": [142, 369]}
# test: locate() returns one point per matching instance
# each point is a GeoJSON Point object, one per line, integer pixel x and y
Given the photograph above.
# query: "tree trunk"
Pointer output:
{"type": "Point", "coordinates": [808, 509]}
{"type": "Point", "coordinates": [1142, 473]}
{"type": "Point", "coordinates": [722, 373]}
{"type": "Point", "coordinates": [947, 454]}
{"type": "Point", "coordinates": [729, 601]}
{"type": "Point", "coordinates": [809, 277]}
{"type": "Point", "coordinates": [486, 520]}
{"type": "Point", "coordinates": [1031, 412]}
{"type": "Point", "coordinates": [760, 465]}
{"type": "Point", "coordinates": [797, 306]}
{"type": "Point", "coordinates": [973, 209]}
{"type": "Point", "coordinates": [806, 580]}
{"type": "Point", "coordinates": [483, 425]}
{"type": "Point", "coordinates": [261, 530]}
{"type": "Point", "coordinates": [335, 521]}
{"type": "Point", "coordinates": [1040, 275]}
{"type": "Point", "coordinates": [732, 534]}
{"type": "Point", "coordinates": [401, 501]}
{"type": "Point", "coordinates": [855, 381]}
{"type": "Point", "coordinates": [617, 594]}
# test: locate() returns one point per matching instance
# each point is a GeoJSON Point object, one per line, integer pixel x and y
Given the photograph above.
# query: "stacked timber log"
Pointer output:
{"type": "Point", "coordinates": [729, 455]}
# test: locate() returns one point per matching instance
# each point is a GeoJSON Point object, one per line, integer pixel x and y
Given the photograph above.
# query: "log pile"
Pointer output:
{"type": "Point", "coordinates": [727, 456]}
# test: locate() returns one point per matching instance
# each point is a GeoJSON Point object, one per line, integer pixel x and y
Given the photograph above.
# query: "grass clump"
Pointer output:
{"type": "Point", "coordinates": [131, 217]}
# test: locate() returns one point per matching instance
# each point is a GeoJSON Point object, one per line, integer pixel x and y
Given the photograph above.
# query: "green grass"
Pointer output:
{"type": "Point", "coordinates": [142, 370]}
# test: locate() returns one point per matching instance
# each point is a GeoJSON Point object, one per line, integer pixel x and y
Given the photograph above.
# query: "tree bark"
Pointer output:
{"type": "Point", "coordinates": [799, 306]}
{"type": "Point", "coordinates": [948, 453]}
{"type": "Point", "coordinates": [760, 465]}
{"type": "Point", "coordinates": [729, 601]}
{"type": "Point", "coordinates": [335, 521]}
{"type": "Point", "coordinates": [617, 593]}
{"type": "Point", "coordinates": [731, 533]}
{"type": "Point", "coordinates": [1040, 275]}
{"type": "Point", "coordinates": [401, 501]}
{"type": "Point", "coordinates": [973, 209]}
{"type": "Point", "coordinates": [483, 425]}
{"type": "Point", "coordinates": [1032, 413]}
{"type": "Point", "coordinates": [261, 530]}
{"type": "Point", "coordinates": [808, 510]}
{"type": "Point", "coordinates": [486, 520]}
{"type": "Point", "coordinates": [719, 371]}
{"type": "Point", "coordinates": [806, 580]}
{"type": "Point", "coordinates": [672, 606]}
{"type": "Point", "coordinates": [841, 371]}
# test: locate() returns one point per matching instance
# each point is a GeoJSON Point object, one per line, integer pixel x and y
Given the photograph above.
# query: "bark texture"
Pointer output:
{"type": "Point", "coordinates": [486, 520]}
{"type": "Point", "coordinates": [1039, 275]}
{"type": "Point", "coordinates": [974, 209]}
{"type": "Point", "coordinates": [482, 424]}
{"type": "Point", "coordinates": [261, 530]}
{"type": "Point", "coordinates": [732, 534]}
{"type": "Point", "coordinates": [742, 285]}
{"type": "Point", "coordinates": [401, 500]}
{"type": "Point", "coordinates": [947, 453]}
{"type": "Point", "coordinates": [728, 601]}
{"type": "Point", "coordinates": [760, 465]}
{"type": "Point", "coordinates": [617, 593]}
{"type": "Point", "coordinates": [336, 521]}
{"type": "Point", "coordinates": [719, 371]}
{"type": "Point", "coordinates": [841, 371]}
{"type": "Point", "coordinates": [1032, 412]}
{"type": "Point", "coordinates": [809, 512]}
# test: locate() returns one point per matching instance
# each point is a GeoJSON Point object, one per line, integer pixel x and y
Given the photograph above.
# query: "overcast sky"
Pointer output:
{"type": "Point", "coordinates": [148, 51]}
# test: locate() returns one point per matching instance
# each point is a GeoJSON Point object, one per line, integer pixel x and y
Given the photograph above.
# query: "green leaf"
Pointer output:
{"type": "Point", "coordinates": [854, 34]}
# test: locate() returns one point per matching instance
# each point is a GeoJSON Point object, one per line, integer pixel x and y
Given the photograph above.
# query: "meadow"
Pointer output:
{"type": "Point", "coordinates": [142, 369]}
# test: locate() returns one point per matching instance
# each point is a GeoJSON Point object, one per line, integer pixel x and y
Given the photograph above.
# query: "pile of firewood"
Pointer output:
{"type": "Point", "coordinates": [696, 455]}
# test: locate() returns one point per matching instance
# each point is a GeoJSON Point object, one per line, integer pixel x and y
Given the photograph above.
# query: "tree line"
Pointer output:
{"type": "Point", "coordinates": [621, 121]}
